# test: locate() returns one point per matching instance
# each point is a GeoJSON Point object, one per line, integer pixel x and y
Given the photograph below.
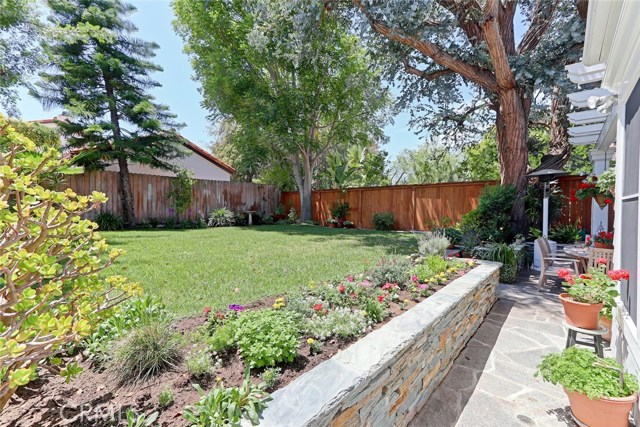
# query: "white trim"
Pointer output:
{"type": "Point", "coordinates": [585, 130]}
{"type": "Point", "coordinates": [579, 99]}
{"type": "Point", "coordinates": [602, 20]}
{"type": "Point", "coordinates": [586, 117]}
{"type": "Point", "coordinates": [580, 73]}
{"type": "Point", "coordinates": [583, 140]}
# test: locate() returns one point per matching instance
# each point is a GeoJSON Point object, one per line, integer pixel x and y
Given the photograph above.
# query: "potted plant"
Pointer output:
{"type": "Point", "coordinates": [332, 223]}
{"type": "Point", "coordinates": [606, 319]}
{"type": "Point", "coordinates": [604, 240]}
{"type": "Point", "coordinates": [348, 224]}
{"type": "Point", "coordinates": [279, 213]}
{"type": "Point", "coordinates": [590, 188]}
{"type": "Point", "coordinates": [339, 211]}
{"type": "Point", "coordinates": [601, 394]}
{"type": "Point", "coordinates": [587, 293]}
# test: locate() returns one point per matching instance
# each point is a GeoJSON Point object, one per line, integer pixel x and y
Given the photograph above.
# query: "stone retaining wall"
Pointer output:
{"type": "Point", "coordinates": [385, 378]}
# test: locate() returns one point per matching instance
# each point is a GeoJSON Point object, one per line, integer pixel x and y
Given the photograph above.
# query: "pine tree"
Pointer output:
{"type": "Point", "coordinates": [100, 75]}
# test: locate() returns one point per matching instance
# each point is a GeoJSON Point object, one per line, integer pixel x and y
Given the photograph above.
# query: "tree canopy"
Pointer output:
{"type": "Point", "coordinates": [302, 87]}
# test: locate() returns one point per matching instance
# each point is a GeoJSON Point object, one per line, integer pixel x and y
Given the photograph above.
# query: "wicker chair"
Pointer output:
{"type": "Point", "coordinates": [596, 253]}
{"type": "Point", "coordinates": [550, 265]}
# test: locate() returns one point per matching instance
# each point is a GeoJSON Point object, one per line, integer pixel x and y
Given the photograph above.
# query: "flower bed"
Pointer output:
{"type": "Point", "coordinates": [280, 339]}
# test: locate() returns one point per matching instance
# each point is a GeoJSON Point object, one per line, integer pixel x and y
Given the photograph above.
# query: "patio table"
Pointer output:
{"type": "Point", "coordinates": [580, 253]}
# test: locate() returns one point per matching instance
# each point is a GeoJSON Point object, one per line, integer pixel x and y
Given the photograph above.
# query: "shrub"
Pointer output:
{"type": "Point", "coordinates": [144, 352]}
{"type": "Point", "coordinates": [491, 219]}
{"type": "Point", "coordinates": [153, 222]}
{"type": "Point", "coordinates": [267, 337]}
{"type": "Point", "coordinates": [54, 279]}
{"type": "Point", "coordinates": [580, 370]}
{"type": "Point", "coordinates": [293, 215]}
{"type": "Point", "coordinates": [375, 310]}
{"type": "Point", "coordinates": [505, 254]}
{"type": "Point", "coordinates": [181, 190]}
{"type": "Point", "coordinates": [222, 217]}
{"type": "Point", "coordinates": [454, 235]}
{"type": "Point", "coordinates": [228, 406]}
{"type": "Point", "coordinates": [130, 314]}
{"type": "Point", "coordinates": [383, 221]}
{"type": "Point", "coordinates": [432, 243]}
{"type": "Point", "coordinates": [270, 377]}
{"type": "Point", "coordinates": [342, 322]}
{"type": "Point", "coordinates": [223, 337]}
{"type": "Point", "coordinates": [165, 398]}
{"type": "Point", "coordinates": [392, 269]}
{"type": "Point", "coordinates": [241, 219]}
{"type": "Point", "coordinates": [339, 210]}
{"type": "Point", "coordinates": [302, 305]}
{"type": "Point", "coordinates": [564, 233]}
{"type": "Point", "coordinates": [268, 220]}
{"type": "Point", "coordinates": [109, 221]}
{"type": "Point", "coordinates": [199, 364]}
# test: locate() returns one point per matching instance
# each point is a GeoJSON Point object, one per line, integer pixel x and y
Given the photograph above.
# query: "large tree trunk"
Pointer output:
{"type": "Point", "coordinates": [303, 175]}
{"type": "Point", "coordinates": [126, 195]}
{"type": "Point", "coordinates": [559, 146]}
{"type": "Point", "coordinates": [513, 152]}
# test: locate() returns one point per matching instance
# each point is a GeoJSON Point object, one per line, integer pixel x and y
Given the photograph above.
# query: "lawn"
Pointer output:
{"type": "Point", "coordinates": [215, 267]}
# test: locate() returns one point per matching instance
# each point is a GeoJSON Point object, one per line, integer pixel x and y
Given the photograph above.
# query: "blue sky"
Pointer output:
{"type": "Point", "coordinates": [180, 92]}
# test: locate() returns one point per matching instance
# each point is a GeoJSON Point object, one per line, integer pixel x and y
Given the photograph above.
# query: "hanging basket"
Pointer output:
{"type": "Point", "coordinates": [600, 198]}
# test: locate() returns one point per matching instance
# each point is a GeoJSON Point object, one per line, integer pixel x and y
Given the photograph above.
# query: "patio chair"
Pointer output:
{"type": "Point", "coordinates": [550, 265]}
{"type": "Point", "coordinates": [596, 253]}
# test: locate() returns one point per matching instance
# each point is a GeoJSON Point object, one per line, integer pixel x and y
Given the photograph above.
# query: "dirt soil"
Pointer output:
{"type": "Point", "coordinates": [96, 399]}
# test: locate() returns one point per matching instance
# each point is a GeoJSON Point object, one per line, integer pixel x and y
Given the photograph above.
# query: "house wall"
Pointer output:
{"type": "Point", "coordinates": [201, 168]}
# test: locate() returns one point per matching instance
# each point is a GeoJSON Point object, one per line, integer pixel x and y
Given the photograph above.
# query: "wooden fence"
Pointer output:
{"type": "Point", "coordinates": [151, 201]}
{"type": "Point", "coordinates": [416, 207]}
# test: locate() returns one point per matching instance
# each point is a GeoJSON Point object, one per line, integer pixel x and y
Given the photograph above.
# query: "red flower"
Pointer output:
{"type": "Point", "coordinates": [317, 307]}
{"type": "Point", "coordinates": [206, 310]}
{"type": "Point", "coordinates": [608, 201]}
{"type": "Point", "coordinates": [583, 186]}
{"type": "Point", "coordinates": [570, 279]}
{"type": "Point", "coordinates": [602, 261]}
{"type": "Point", "coordinates": [341, 288]}
{"type": "Point", "coordinates": [618, 274]}
{"type": "Point", "coordinates": [380, 298]}
{"type": "Point", "coordinates": [388, 286]}
{"type": "Point", "coordinates": [586, 276]}
{"type": "Point", "coordinates": [563, 273]}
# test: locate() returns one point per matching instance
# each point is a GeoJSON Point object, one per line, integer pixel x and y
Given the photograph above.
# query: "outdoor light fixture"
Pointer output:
{"type": "Point", "coordinates": [546, 176]}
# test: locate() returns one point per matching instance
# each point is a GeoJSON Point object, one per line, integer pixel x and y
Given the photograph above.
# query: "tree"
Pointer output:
{"type": "Point", "coordinates": [52, 290]}
{"type": "Point", "coordinates": [304, 87]}
{"type": "Point", "coordinates": [20, 53]}
{"type": "Point", "coordinates": [355, 166]}
{"type": "Point", "coordinates": [438, 47]}
{"type": "Point", "coordinates": [101, 76]}
{"type": "Point", "coordinates": [427, 164]}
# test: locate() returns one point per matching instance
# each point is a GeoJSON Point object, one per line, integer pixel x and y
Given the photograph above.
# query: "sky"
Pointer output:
{"type": "Point", "coordinates": [180, 92]}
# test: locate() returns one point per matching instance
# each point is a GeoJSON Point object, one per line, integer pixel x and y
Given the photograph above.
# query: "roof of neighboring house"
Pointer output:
{"type": "Point", "coordinates": [190, 145]}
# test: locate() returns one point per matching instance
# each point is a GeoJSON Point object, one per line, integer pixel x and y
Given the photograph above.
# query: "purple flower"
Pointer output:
{"type": "Point", "coordinates": [423, 286]}
{"type": "Point", "coordinates": [236, 307]}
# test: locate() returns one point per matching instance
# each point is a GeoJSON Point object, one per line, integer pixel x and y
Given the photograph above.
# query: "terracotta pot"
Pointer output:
{"type": "Point", "coordinates": [600, 245]}
{"type": "Point", "coordinates": [606, 322]}
{"type": "Point", "coordinates": [603, 412]}
{"type": "Point", "coordinates": [340, 224]}
{"type": "Point", "coordinates": [579, 314]}
{"type": "Point", "coordinates": [332, 225]}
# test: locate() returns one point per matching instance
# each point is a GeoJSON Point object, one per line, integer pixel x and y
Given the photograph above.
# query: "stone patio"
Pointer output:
{"type": "Point", "coordinates": [492, 382]}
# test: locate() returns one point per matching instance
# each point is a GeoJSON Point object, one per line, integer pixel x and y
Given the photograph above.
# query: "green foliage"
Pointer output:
{"type": "Point", "coordinates": [130, 314]}
{"type": "Point", "coordinates": [135, 420]}
{"type": "Point", "coordinates": [181, 190]}
{"type": "Point", "coordinates": [454, 235]}
{"type": "Point", "coordinates": [100, 74]}
{"type": "Point", "coordinates": [533, 204]}
{"type": "Point", "coordinates": [383, 221]}
{"type": "Point", "coordinates": [293, 215]}
{"type": "Point", "coordinates": [505, 254]}
{"type": "Point", "coordinates": [270, 377]}
{"type": "Point", "coordinates": [267, 337]}
{"type": "Point", "coordinates": [580, 370]}
{"type": "Point", "coordinates": [165, 398]}
{"type": "Point", "coordinates": [595, 287]}
{"type": "Point", "coordinates": [425, 165]}
{"type": "Point", "coordinates": [339, 210]}
{"type": "Point", "coordinates": [199, 364]}
{"type": "Point", "coordinates": [222, 217]}
{"type": "Point", "coordinates": [491, 219]}
{"type": "Point", "coordinates": [223, 337]}
{"type": "Point", "coordinates": [341, 322]}
{"type": "Point", "coordinates": [565, 233]}
{"type": "Point", "coordinates": [391, 269]}
{"type": "Point", "coordinates": [480, 161]}
{"type": "Point", "coordinates": [433, 269]}
{"type": "Point", "coordinates": [54, 291]}
{"type": "Point", "coordinates": [607, 180]}
{"type": "Point", "coordinates": [144, 352]}
{"type": "Point", "coordinates": [432, 243]}
{"type": "Point", "coordinates": [375, 310]}
{"type": "Point", "coordinates": [109, 221]}
{"type": "Point", "coordinates": [227, 407]}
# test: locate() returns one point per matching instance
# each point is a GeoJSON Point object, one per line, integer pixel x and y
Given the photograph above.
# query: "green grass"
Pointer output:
{"type": "Point", "coordinates": [215, 267]}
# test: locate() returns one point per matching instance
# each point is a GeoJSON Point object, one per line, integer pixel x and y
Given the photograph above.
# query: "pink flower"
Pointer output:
{"type": "Point", "coordinates": [341, 288]}
{"type": "Point", "coordinates": [365, 283]}
{"type": "Point", "coordinates": [317, 307]}
{"type": "Point", "coordinates": [602, 261]}
{"type": "Point", "coordinates": [206, 310]}
{"type": "Point", "coordinates": [388, 286]}
{"type": "Point", "coordinates": [414, 278]}
{"type": "Point", "coordinates": [350, 279]}
{"type": "Point", "coordinates": [423, 286]}
{"type": "Point", "coordinates": [618, 274]}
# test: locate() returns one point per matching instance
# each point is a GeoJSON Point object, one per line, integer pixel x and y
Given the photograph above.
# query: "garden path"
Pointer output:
{"type": "Point", "coordinates": [491, 383]}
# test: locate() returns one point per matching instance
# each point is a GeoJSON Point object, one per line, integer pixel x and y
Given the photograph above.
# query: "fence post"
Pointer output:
{"type": "Point", "coordinates": [413, 208]}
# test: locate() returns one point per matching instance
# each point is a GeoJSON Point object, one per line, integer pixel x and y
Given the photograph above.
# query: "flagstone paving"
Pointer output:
{"type": "Point", "coordinates": [492, 382]}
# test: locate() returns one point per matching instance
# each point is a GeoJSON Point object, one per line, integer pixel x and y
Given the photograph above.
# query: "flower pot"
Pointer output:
{"type": "Point", "coordinates": [606, 322]}
{"type": "Point", "coordinates": [332, 225]}
{"type": "Point", "coordinates": [603, 412]}
{"type": "Point", "coordinates": [340, 224]}
{"type": "Point", "coordinates": [600, 198]}
{"type": "Point", "coordinates": [579, 314]}
{"type": "Point", "coordinates": [601, 245]}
